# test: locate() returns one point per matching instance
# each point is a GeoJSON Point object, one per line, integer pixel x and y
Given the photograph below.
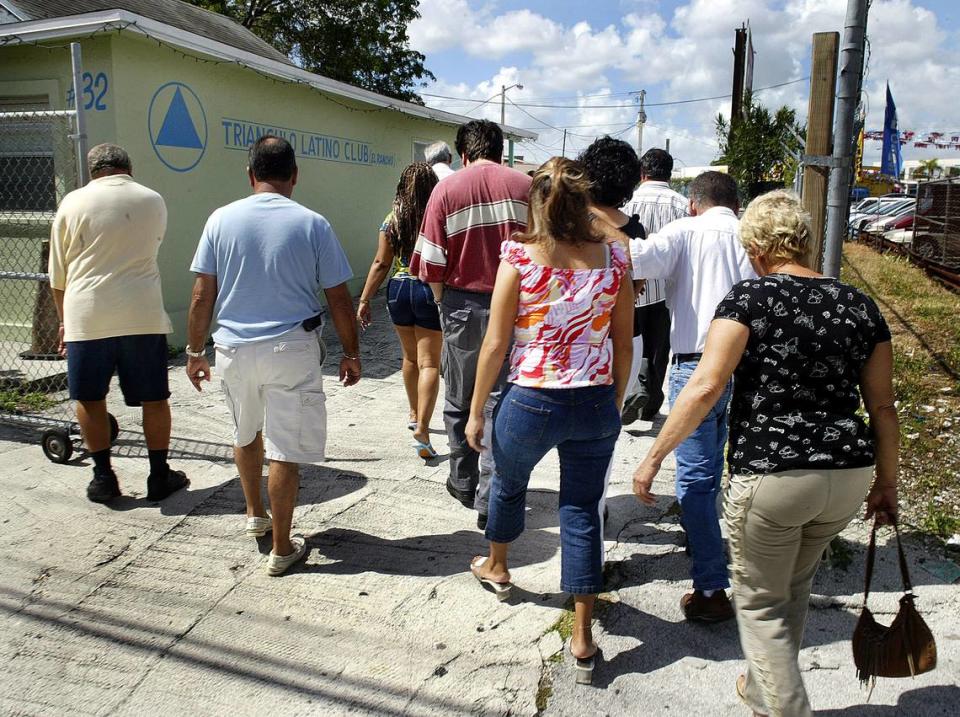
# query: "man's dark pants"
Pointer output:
{"type": "Point", "coordinates": [653, 323]}
{"type": "Point", "coordinates": [465, 316]}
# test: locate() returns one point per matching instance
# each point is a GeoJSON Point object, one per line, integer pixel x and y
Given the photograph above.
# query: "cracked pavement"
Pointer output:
{"type": "Point", "coordinates": [141, 609]}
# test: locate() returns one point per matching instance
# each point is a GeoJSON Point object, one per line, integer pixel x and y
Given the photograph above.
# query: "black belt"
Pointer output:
{"type": "Point", "coordinates": [313, 323]}
{"type": "Point", "coordinates": [682, 358]}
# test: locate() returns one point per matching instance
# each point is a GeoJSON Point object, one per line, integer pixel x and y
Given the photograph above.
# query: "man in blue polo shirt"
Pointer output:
{"type": "Point", "coordinates": [260, 266]}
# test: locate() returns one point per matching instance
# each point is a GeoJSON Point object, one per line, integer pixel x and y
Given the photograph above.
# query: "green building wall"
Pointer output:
{"type": "Point", "coordinates": [187, 123]}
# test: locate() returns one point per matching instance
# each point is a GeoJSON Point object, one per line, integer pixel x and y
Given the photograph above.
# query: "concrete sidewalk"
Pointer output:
{"type": "Point", "coordinates": [143, 609]}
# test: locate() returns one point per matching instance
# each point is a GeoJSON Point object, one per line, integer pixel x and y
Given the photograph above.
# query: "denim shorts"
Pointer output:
{"type": "Point", "coordinates": [410, 303]}
{"type": "Point", "coordinates": [140, 362]}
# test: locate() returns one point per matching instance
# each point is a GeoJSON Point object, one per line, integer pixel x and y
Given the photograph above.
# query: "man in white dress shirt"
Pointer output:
{"type": "Point", "coordinates": [656, 205]}
{"type": "Point", "coordinates": [439, 157]}
{"type": "Point", "coordinates": [702, 258]}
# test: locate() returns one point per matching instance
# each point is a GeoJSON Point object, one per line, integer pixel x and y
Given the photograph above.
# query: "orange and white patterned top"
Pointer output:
{"type": "Point", "coordinates": [562, 332]}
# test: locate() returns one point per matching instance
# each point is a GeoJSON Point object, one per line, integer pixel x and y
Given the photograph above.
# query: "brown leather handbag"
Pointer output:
{"type": "Point", "coordinates": [904, 649]}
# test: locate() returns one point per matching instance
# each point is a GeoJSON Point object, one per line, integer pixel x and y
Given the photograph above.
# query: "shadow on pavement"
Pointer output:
{"type": "Point", "coordinates": [662, 642]}
{"type": "Point", "coordinates": [927, 701]}
{"type": "Point", "coordinates": [434, 555]}
{"type": "Point", "coordinates": [132, 444]}
{"type": "Point", "coordinates": [318, 484]}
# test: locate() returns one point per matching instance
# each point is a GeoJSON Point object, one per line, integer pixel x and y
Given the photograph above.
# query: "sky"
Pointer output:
{"type": "Point", "coordinates": [581, 64]}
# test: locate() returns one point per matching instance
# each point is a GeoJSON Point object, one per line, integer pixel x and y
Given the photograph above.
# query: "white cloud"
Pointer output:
{"type": "Point", "coordinates": [684, 55]}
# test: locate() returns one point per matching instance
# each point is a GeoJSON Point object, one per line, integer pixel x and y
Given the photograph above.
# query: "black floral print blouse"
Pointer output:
{"type": "Point", "coordinates": [797, 388]}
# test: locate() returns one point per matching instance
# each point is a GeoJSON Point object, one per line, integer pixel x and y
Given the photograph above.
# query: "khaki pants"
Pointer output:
{"type": "Point", "coordinates": [778, 527]}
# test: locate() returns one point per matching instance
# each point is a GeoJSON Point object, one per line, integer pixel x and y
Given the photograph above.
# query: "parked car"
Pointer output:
{"type": "Point", "coordinates": [891, 217]}
{"type": "Point", "coordinates": [899, 236]}
{"type": "Point", "coordinates": [885, 207]}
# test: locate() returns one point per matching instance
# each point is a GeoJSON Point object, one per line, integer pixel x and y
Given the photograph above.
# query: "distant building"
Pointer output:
{"type": "Point", "coordinates": [520, 164]}
{"type": "Point", "coordinates": [911, 166]}
{"type": "Point", "coordinates": [693, 172]}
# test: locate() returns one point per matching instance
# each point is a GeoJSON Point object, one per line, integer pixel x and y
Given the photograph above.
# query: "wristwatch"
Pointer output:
{"type": "Point", "coordinates": [193, 354]}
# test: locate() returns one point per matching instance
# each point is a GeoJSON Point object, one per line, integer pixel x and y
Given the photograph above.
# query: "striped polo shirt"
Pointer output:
{"type": "Point", "coordinates": [657, 205]}
{"type": "Point", "coordinates": [469, 215]}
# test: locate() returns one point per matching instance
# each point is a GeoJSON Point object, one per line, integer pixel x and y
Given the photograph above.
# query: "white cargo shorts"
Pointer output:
{"type": "Point", "coordinates": [276, 386]}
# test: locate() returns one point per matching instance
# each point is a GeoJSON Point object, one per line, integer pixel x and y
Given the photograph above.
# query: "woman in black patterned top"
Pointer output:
{"type": "Point", "coordinates": [803, 350]}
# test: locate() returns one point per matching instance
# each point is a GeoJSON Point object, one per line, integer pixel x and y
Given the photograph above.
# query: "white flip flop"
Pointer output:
{"type": "Point", "coordinates": [501, 590]}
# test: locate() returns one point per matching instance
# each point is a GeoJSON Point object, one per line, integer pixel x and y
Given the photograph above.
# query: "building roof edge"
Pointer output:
{"type": "Point", "coordinates": [109, 20]}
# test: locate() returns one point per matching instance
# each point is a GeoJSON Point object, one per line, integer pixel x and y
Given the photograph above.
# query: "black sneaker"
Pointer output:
{"type": "Point", "coordinates": [482, 521]}
{"type": "Point", "coordinates": [632, 408]}
{"type": "Point", "coordinates": [651, 411]}
{"type": "Point", "coordinates": [159, 487]}
{"type": "Point", "coordinates": [104, 487]}
{"type": "Point", "coordinates": [465, 500]}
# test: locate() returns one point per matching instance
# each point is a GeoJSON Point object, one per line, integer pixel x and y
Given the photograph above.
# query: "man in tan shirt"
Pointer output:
{"type": "Point", "coordinates": [106, 285]}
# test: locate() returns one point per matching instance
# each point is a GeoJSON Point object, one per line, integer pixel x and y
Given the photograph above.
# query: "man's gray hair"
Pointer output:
{"type": "Point", "coordinates": [438, 152]}
{"type": "Point", "coordinates": [105, 157]}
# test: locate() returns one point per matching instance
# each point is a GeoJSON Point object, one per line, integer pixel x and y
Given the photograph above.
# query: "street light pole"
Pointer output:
{"type": "Point", "coordinates": [641, 120]}
{"type": "Point", "coordinates": [503, 100]}
{"type": "Point", "coordinates": [503, 116]}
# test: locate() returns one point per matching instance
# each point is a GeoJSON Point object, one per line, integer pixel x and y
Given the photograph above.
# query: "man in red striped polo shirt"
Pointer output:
{"type": "Point", "coordinates": [468, 216]}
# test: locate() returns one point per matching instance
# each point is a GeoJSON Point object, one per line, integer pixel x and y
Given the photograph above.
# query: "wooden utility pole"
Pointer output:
{"type": "Point", "coordinates": [823, 82]}
{"type": "Point", "coordinates": [563, 152]}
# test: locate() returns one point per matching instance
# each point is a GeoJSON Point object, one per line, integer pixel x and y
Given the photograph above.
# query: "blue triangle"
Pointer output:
{"type": "Point", "coordinates": [177, 129]}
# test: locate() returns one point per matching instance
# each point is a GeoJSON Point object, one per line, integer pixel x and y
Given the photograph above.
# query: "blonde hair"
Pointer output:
{"type": "Point", "coordinates": [776, 227]}
{"type": "Point", "coordinates": [559, 199]}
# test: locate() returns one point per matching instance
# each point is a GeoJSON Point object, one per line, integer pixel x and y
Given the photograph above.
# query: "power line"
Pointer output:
{"type": "Point", "coordinates": [648, 104]}
{"type": "Point", "coordinates": [540, 99]}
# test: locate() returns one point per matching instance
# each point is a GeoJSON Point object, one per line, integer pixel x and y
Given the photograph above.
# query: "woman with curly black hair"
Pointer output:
{"type": "Point", "coordinates": [415, 316]}
{"type": "Point", "coordinates": [614, 172]}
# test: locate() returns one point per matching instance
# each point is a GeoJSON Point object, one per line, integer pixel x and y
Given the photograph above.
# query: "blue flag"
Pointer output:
{"type": "Point", "coordinates": [891, 161]}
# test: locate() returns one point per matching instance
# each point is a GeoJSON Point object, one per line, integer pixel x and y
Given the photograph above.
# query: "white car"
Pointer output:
{"type": "Point", "coordinates": [890, 217]}
{"type": "Point", "coordinates": [884, 207]}
{"type": "Point", "coordinates": [899, 236]}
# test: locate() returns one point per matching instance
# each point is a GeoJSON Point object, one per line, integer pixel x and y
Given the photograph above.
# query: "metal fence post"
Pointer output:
{"type": "Point", "coordinates": [848, 96]}
{"type": "Point", "coordinates": [81, 137]}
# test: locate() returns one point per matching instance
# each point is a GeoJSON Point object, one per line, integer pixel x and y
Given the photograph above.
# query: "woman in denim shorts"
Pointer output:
{"type": "Point", "coordinates": [564, 299]}
{"type": "Point", "coordinates": [410, 302]}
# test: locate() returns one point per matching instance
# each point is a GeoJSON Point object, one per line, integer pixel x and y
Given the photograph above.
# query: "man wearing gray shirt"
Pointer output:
{"type": "Point", "coordinates": [656, 205]}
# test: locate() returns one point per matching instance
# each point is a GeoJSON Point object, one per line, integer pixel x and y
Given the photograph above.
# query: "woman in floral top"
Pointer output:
{"type": "Point", "coordinates": [563, 297]}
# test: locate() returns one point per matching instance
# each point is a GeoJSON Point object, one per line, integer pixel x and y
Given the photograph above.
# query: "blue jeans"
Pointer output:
{"type": "Point", "coordinates": [699, 470]}
{"type": "Point", "coordinates": [583, 424]}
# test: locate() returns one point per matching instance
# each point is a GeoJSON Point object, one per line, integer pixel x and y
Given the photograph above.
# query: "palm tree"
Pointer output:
{"type": "Point", "coordinates": [929, 168]}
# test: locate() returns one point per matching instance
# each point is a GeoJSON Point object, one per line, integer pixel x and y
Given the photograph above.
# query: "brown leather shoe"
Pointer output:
{"type": "Point", "coordinates": [715, 608]}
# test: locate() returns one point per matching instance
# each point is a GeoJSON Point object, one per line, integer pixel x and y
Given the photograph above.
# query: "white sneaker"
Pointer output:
{"type": "Point", "coordinates": [279, 564]}
{"type": "Point", "coordinates": [258, 527]}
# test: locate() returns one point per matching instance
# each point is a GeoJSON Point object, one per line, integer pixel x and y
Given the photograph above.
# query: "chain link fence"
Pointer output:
{"type": "Point", "coordinates": [38, 167]}
{"type": "Point", "coordinates": [936, 226]}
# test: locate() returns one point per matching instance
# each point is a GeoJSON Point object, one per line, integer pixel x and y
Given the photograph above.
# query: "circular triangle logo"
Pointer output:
{"type": "Point", "coordinates": [177, 125]}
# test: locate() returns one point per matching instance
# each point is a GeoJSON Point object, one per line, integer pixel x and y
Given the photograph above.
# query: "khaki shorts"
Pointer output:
{"type": "Point", "coordinates": [276, 386]}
